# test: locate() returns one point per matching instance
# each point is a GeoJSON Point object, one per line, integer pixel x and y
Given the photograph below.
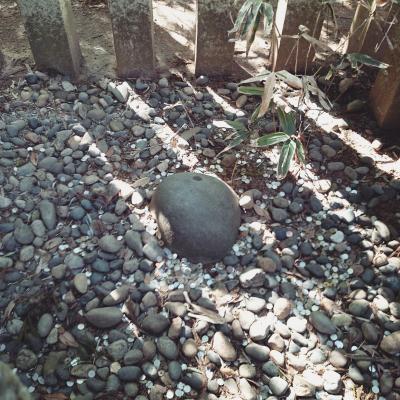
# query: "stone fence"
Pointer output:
{"type": "Point", "coordinates": [55, 45]}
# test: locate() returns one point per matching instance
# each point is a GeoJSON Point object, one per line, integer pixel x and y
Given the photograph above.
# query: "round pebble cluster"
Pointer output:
{"type": "Point", "coordinates": [92, 305]}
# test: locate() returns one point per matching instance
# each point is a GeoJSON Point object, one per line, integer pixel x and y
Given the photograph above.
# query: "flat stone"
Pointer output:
{"type": "Point", "coordinates": [337, 237]}
{"type": "Point", "coordinates": [255, 304]}
{"type": "Point", "coordinates": [297, 324]}
{"type": "Point", "coordinates": [189, 348]}
{"type": "Point", "coordinates": [81, 283]}
{"type": "Point", "coordinates": [117, 296]}
{"type": "Point", "coordinates": [257, 352]}
{"type": "Point", "coordinates": [5, 202]}
{"type": "Point", "coordinates": [96, 114]}
{"type": "Point", "coordinates": [322, 323]}
{"type": "Point", "coordinates": [26, 359]}
{"type": "Point", "coordinates": [134, 242]}
{"type": "Point", "coordinates": [301, 387]}
{"type": "Point", "coordinates": [45, 325]}
{"type": "Point", "coordinates": [110, 244]}
{"type": "Point", "coordinates": [223, 347]}
{"type": "Point", "coordinates": [198, 216]}
{"type": "Point", "coordinates": [105, 317]}
{"type": "Point", "coordinates": [338, 359]}
{"type": "Point", "coordinates": [48, 213]}
{"type": "Point", "coordinates": [129, 374]}
{"type": "Point", "coordinates": [254, 277]}
{"type": "Point", "coordinates": [359, 308]}
{"type": "Point", "coordinates": [174, 370]}
{"type": "Point", "coordinates": [282, 308]}
{"type": "Point", "coordinates": [167, 348]}
{"type": "Point", "coordinates": [117, 349]}
{"type": "Point", "coordinates": [155, 324]}
{"type": "Point", "coordinates": [261, 327]}
{"type": "Point", "coordinates": [23, 233]}
{"type": "Point", "coordinates": [278, 386]}
{"type": "Point", "coordinates": [51, 164]}
{"type": "Point", "coordinates": [332, 382]}
{"type": "Point", "coordinates": [120, 92]}
{"type": "Point", "coordinates": [391, 343]}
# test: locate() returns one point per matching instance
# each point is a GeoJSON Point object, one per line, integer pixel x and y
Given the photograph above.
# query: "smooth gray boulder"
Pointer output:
{"type": "Point", "coordinates": [198, 216]}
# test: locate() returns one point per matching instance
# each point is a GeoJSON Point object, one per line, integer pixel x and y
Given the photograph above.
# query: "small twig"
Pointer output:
{"type": "Point", "coordinates": [186, 111]}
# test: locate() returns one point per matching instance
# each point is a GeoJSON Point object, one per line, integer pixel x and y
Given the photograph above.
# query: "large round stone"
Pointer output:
{"type": "Point", "coordinates": [198, 216]}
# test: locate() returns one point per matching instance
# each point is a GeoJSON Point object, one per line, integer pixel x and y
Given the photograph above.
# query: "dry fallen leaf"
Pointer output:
{"type": "Point", "coordinates": [55, 396]}
{"type": "Point", "coordinates": [34, 159]}
{"type": "Point", "coordinates": [9, 309]}
{"type": "Point", "coordinates": [130, 309]}
{"type": "Point", "coordinates": [68, 340]}
{"type": "Point", "coordinates": [228, 372]}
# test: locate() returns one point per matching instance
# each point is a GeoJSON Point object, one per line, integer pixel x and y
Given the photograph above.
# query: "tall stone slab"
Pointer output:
{"type": "Point", "coordinates": [295, 55]}
{"type": "Point", "coordinates": [52, 35]}
{"type": "Point", "coordinates": [132, 23]}
{"type": "Point", "coordinates": [385, 93]}
{"type": "Point", "coordinates": [368, 29]}
{"type": "Point", "coordinates": [214, 52]}
{"type": "Point", "coordinates": [360, 25]}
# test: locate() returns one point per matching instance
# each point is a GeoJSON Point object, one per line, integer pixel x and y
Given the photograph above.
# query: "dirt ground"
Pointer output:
{"type": "Point", "coordinates": [174, 37]}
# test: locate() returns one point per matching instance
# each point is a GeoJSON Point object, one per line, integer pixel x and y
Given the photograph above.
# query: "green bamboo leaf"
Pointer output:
{"type": "Point", "coordinates": [254, 116]}
{"type": "Point", "coordinates": [287, 121]}
{"type": "Point", "coordinates": [286, 158]}
{"type": "Point", "coordinates": [251, 90]}
{"type": "Point", "coordinates": [300, 151]}
{"type": "Point", "coordinates": [272, 139]}
{"type": "Point", "coordinates": [237, 126]}
{"type": "Point", "coordinates": [252, 24]}
{"type": "Point", "coordinates": [246, 27]}
{"type": "Point", "coordinates": [365, 59]}
{"type": "Point", "coordinates": [258, 78]}
{"type": "Point", "coordinates": [241, 134]}
{"type": "Point", "coordinates": [244, 10]}
{"type": "Point", "coordinates": [268, 16]}
{"type": "Point", "coordinates": [283, 75]}
{"type": "Point", "coordinates": [253, 30]}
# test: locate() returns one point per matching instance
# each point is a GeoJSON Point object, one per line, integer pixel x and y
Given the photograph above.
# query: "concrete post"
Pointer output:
{"type": "Point", "coordinates": [360, 26]}
{"type": "Point", "coordinates": [385, 94]}
{"type": "Point", "coordinates": [132, 23]}
{"type": "Point", "coordinates": [369, 28]}
{"type": "Point", "coordinates": [214, 52]}
{"type": "Point", "coordinates": [52, 35]}
{"type": "Point", "coordinates": [292, 54]}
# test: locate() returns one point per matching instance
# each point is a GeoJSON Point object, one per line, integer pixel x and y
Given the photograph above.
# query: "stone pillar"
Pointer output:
{"type": "Point", "coordinates": [385, 93]}
{"type": "Point", "coordinates": [214, 52]}
{"type": "Point", "coordinates": [368, 29]}
{"type": "Point", "coordinates": [360, 26]}
{"type": "Point", "coordinates": [291, 54]}
{"type": "Point", "coordinates": [132, 23]}
{"type": "Point", "coordinates": [52, 35]}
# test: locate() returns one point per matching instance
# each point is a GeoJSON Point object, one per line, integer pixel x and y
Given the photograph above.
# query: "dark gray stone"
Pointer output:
{"type": "Point", "coordinates": [198, 216]}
